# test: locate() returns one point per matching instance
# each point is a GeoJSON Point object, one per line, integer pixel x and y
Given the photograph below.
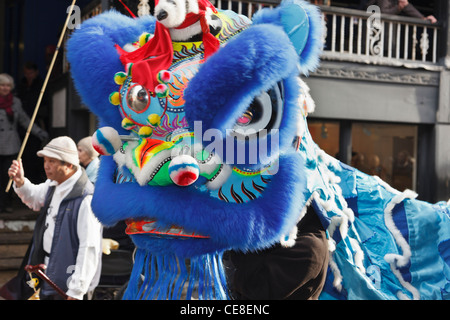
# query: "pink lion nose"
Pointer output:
{"type": "Point", "coordinates": [183, 170]}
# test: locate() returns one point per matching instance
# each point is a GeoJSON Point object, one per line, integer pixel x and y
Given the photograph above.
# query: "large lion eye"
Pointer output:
{"type": "Point", "coordinates": [263, 114]}
{"type": "Point", "coordinates": [252, 114]}
{"type": "Point", "coordinates": [138, 98]}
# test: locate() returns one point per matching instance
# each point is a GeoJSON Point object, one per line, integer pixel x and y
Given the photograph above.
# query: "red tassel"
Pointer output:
{"type": "Point", "coordinates": [128, 9]}
{"type": "Point", "coordinates": [210, 43]}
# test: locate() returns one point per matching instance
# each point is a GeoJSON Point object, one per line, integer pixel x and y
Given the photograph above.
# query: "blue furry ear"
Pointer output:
{"type": "Point", "coordinates": [302, 23]}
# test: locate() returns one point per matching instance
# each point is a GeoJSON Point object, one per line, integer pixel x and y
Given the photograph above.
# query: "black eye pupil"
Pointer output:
{"type": "Point", "coordinates": [141, 95]}
{"type": "Point", "coordinates": [138, 98]}
{"type": "Point", "coordinates": [255, 110]}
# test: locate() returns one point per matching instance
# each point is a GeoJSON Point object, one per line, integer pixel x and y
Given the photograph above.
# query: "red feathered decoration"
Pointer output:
{"type": "Point", "coordinates": [157, 53]}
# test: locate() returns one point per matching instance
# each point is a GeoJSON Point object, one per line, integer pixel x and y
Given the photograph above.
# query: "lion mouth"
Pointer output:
{"type": "Point", "coordinates": [151, 228]}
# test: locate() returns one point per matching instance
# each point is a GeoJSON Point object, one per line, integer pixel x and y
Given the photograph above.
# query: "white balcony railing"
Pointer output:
{"type": "Point", "coordinates": [355, 35]}
{"type": "Point", "coordinates": [247, 8]}
{"type": "Point", "coordinates": [368, 37]}
{"type": "Point", "coordinates": [372, 37]}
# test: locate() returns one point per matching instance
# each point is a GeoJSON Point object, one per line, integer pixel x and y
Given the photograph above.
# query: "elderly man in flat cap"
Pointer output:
{"type": "Point", "coordinates": [67, 236]}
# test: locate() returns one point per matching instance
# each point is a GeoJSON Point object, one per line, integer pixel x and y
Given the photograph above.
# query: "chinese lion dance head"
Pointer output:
{"type": "Point", "coordinates": [202, 128]}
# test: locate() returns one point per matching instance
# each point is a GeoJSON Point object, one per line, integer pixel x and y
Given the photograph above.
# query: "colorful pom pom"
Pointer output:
{"type": "Point", "coordinates": [162, 90]}
{"type": "Point", "coordinates": [164, 76]}
{"type": "Point", "coordinates": [145, 132]}
{"type": "Point", "coordinates": [106, 141]}
{"type": "Point", "coordinates": [120, 77]}
{"type": "Point", "coordinates": [183, 170]}
{"type": "Point", "coordinates": [154, 119]}
{"type": "Point", "coordinates": [127, 124]}
{"type": "Point", "coordinates": [143, 38]}
{"type": "Point", "coordinates": [114, 98]}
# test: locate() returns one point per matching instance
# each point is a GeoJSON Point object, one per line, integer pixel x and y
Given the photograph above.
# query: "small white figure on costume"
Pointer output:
{"type": "Point", "coordinates": [143, 8]}
{"type": "Point", "coordinates": [187, 18]}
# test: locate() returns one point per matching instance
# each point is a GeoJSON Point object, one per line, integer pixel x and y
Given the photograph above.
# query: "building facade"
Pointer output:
{"type": "Point", "coordinates": [382, 95]}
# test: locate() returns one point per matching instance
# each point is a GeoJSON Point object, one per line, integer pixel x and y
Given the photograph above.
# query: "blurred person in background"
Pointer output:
{"type": "Point", "coordinates": [400, 7]}
{"type": "Point", "coordinates": [11, 117]}
{"type": "Point", "coordinates": [88, 158]}
{"type": "Point", "coordinates": [28, 91]}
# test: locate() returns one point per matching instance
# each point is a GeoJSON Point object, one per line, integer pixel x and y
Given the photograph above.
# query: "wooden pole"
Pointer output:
{"type": "Point", "coordinates": [41, 95]}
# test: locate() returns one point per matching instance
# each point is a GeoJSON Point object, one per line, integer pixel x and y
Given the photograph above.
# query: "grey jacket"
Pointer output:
{"type": "Point", "coordinates": [9, 137]}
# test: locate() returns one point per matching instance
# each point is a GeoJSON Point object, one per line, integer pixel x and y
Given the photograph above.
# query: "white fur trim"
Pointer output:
{"type": "Point", "coordinates": [408, 286]}
{"type": "Point", "coordinates": [395, 260]}
{"type": "Point", "coordinates": [331, 245]}
{"type": "Point", "coordinates": [185, 33]}
{"type": "Point", "coordinates": [288, 241]}
{"type": "Point", "coordinates": [306, 96]}
{"type": "Point", "coordinates": [386, 186]}
{"type": "Point", "coordinates": [358, 257]}
{"type": "Point", "coordinates": [337, 282]}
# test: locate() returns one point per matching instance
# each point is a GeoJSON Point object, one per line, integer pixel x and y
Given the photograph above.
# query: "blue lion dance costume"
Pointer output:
{"type": "Point", "coordinates": [178, 128]}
